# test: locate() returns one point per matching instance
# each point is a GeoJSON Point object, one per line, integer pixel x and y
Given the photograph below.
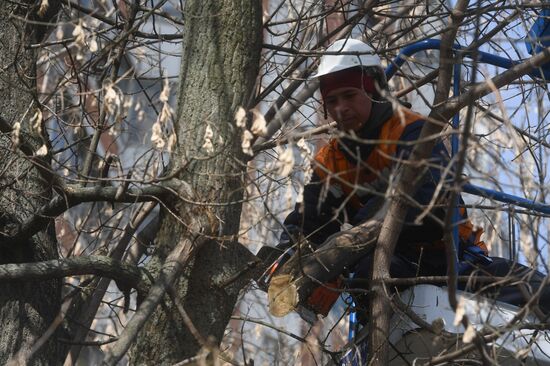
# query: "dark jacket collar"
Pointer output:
{"type": "Point", "coordinates": [351, 147]}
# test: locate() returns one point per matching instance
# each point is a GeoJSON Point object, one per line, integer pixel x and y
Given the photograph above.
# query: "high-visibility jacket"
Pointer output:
{"type": "Point", "coordinates": [351, 181]}
{"type": "Point", "coordinates": [344, 176]}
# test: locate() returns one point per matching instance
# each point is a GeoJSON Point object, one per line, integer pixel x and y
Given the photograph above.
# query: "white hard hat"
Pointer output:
{"type": "Point", "coordinates": [331, 63]}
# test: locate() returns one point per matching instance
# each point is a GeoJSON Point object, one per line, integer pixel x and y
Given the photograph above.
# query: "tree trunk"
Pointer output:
{"type": "Point", "coordinates": [221, 51]}
{"type": "Point", "coordinates": [27, 309]}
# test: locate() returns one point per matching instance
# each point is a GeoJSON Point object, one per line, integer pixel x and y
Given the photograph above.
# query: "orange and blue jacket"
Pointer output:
{"type": "Point", "coordinates": [349, 175]}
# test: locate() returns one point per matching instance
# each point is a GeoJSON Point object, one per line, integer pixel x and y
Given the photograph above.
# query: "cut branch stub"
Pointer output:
{"type": "Point", "coordinates": [282, 295]}
{"type": "Point", "coordinates": [303, 273]}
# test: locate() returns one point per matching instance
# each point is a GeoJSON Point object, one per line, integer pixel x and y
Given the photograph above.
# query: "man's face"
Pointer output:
{"type": "Point", "coordinates": [350, 107]}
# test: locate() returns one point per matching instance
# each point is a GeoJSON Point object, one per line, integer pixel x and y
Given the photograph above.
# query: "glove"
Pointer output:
{"type": "Point", "coordinates": [288, 237]}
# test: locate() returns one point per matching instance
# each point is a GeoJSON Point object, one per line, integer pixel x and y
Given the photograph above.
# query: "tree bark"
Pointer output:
{"type": "Point", "coordinates": [221, 50]}
{"type": "Point", "coordinates": [26, 309]}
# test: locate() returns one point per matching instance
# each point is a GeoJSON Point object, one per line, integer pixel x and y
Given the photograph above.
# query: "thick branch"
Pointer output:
{"type": "Point", "coordinates": [88, 310]}
{"type": "Point", "coordinates": [76, 196]}
{"type": "Point", "coordinates": [93, 265]}
{"type": "Point", "coordinates": [407, 185]}
{"type": "Point", "coordinates": [297, 279]}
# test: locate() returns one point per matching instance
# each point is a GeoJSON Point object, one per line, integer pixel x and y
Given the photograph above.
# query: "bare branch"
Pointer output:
{"type": "Point", "coordinates": [74, 196]}
{"type": "Point", "coordinates": [97, 265]}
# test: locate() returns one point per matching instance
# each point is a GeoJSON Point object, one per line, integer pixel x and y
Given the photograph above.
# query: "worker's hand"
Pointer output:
{"type": "Point", "coordinates": [269, 254]}
{"type": "Point", "coordinates": [288, 237]}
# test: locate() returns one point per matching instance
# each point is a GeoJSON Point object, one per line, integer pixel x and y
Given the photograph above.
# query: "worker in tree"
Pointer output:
{"type": "Point", "coordinates": [354, 169]}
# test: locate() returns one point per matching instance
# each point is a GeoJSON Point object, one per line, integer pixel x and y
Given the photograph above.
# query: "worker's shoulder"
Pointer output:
{"type": "Point", "coordinates": [404, 115]}
{"type": "Point", "coordinates": [404, 124]}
